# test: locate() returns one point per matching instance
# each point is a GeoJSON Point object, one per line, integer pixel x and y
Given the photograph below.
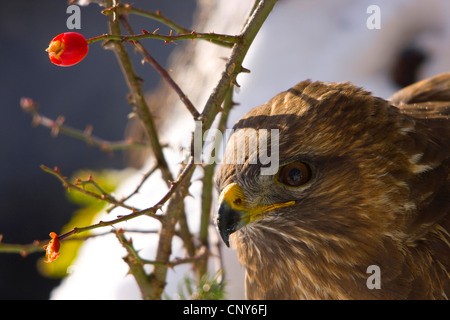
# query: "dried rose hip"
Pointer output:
{"type": "Point", "coordinates": [67, 49]}
{"type": "Point", "coordinates": [52, 248]}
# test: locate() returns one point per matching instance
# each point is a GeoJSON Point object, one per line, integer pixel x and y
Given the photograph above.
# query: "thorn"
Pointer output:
{"type": "Point", "coordinates": [141, 80]}
{"type": "Point", "coordinates": [56, 126]}
{"type": "Point", "coordinates": [36, 120]}
{"type": "Point", "coordinates": [145, 31]}
{"type": "Point", "coordinates": [170, 265]}
{"type": "Point", "coordinates": [188, 194]}
{"type": "Point", "coordinates": [88, 130]}
{"type": "Point", "coordinates": [245, 70]}
{"type": "Point", "coordinates": [105, 146]}
{"type": "Point", "coordinates": [169, 41]}
{"type": "Point", "coordinates": [60, 120]}
{"type": "Point", "coordinates": [106, 12]}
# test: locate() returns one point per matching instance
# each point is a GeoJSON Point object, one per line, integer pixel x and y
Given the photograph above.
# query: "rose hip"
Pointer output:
{"type": "Point", "coordinates": [67, 49]}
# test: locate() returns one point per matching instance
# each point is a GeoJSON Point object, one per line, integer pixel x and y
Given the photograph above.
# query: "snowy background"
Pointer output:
{"type": "Point", "coordinates": [316, 39]}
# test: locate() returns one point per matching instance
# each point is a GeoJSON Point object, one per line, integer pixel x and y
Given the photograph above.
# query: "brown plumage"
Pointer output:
{"type": "Point", "coordinates": [362, 181]}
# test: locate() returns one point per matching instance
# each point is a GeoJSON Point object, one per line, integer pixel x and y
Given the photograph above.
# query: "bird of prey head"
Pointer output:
{"type": "Point", "coordinates": [360, 182]}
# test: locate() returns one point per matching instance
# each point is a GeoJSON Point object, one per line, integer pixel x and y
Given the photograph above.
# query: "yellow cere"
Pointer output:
{"type": "Point", "coordinates": [234, 196]}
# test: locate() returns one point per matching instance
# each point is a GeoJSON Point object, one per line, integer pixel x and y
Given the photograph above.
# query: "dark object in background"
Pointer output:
{"type": "Point", "coordinates": [405, 69]}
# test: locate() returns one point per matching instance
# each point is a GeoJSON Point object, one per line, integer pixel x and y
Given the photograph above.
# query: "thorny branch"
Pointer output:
{"type": "Point", "coordinates": [137, 96]}
{"type": "Point", "coordinates": [167, 38]}
{"type": "Point", "coordinates": [152, 285]}
{"type": "Point", "coordinates": [149, 211]}
{"type": "Point", "coordinates": [57, 126]}
{"type": "Point", "coordinates": [79, 186]}
{"type": "Point", "coordinates": [184, 33]}
{"type": "Point", "coordinates": [162, 72]}
{"type": "Point", "coordinates": [138, 187]}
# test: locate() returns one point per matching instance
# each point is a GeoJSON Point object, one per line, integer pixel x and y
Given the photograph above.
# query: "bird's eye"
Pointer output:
{"type": "Point", "coordinates": [294, 174]}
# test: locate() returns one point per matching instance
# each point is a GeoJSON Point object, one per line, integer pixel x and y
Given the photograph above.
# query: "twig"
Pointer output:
{"type": "Point", "coordinates": [37, 245]}
{"type": "Point", "coordinates": [202, 254]}
{"type": "Point", "coordinates": [234, 64]}
{"type": "Point", "coordinates": [230, 40]}
{"type": "Point", "coordinates": [175, 209]}
{"type": "Point", "coordinates": [57, 126]}
{"type": "Point", "coordinates": [137, 95]}
{"type": "Point", "coordinates": [207, 188]}
{"type": "Point", "coordinates": [22, 249]}
{"type": "Point", "coordinates": [120, 8]}
{"type": "Point", "coordinates": [162, 72]}
{"type": "Point", "coordinates": [223, 40]}
{"type": "Point", "coordinates": [149, 211]}
{"type": "Point", "coordinates": [138, 187]}
{"type": "Point", "coordinates": [136, 266]}
{"type": "Point", "coordinates": [103, 196]}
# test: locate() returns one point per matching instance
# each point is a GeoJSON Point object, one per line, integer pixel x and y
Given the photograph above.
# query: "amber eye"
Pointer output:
{"type": "Point", "coordinates": [294, 174]}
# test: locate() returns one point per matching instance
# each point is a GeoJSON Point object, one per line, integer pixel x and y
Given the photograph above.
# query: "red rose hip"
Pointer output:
{"type": "Point", "coordinates": [67, 49]}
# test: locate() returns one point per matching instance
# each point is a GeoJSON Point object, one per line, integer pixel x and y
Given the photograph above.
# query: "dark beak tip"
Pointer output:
{"type": "Point", "coordinates": [226, 241]}
{"type": "Point", "coordinates": [227, 221]}
{"type": "Point", "coordinates": [223, 231]}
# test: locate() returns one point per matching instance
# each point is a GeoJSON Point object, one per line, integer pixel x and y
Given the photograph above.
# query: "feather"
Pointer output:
{"type": "Point", "coordinates": [378, 199]}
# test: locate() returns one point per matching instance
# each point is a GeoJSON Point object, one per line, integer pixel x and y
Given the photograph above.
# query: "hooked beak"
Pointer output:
{"type": "Point", "coordinates": [233, 213]}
